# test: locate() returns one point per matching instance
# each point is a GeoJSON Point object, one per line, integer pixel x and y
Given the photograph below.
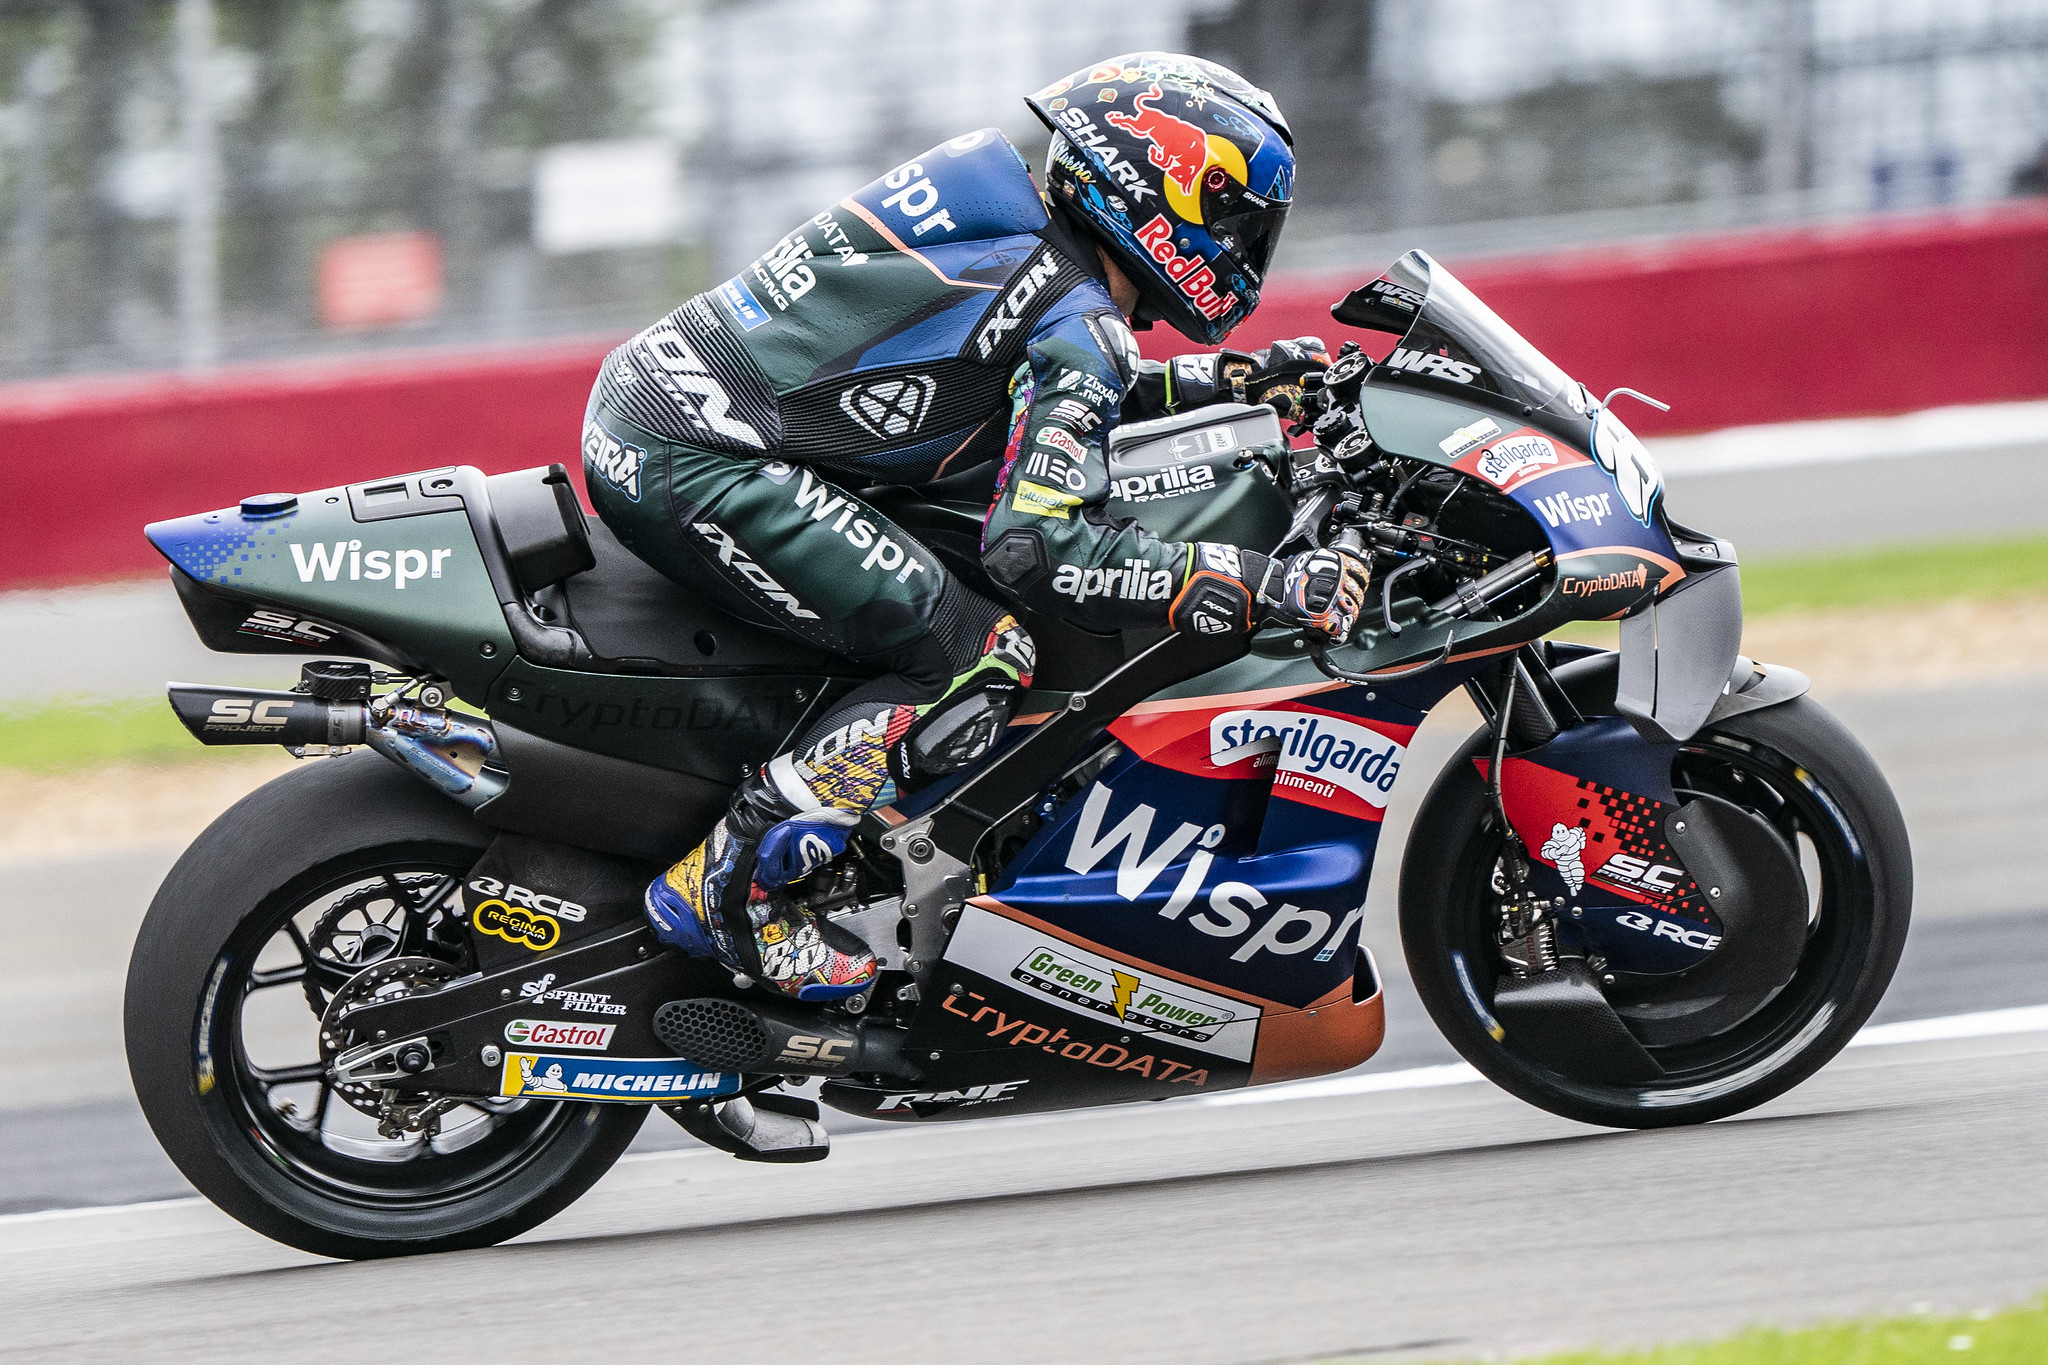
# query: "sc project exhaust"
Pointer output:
{"type": "Point", "coordinates": [448, 752]}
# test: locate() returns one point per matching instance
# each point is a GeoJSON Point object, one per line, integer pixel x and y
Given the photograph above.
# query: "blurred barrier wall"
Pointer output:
{"type": "Point", "coordinates": [1885, 316]}
{"type": "Point", "coordinates": [86, 463]}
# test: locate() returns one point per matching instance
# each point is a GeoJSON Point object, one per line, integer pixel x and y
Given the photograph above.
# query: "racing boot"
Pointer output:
{"type": "Point", "coordinates": [710, 905]}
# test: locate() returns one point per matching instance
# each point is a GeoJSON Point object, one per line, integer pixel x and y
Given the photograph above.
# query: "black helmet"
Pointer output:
{"type": "Point", "coordinates": [1183, 170]}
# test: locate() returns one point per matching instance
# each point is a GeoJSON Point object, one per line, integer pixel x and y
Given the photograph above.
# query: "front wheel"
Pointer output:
{"type": "Point", "coordinates": [284, 901]}
{"type": "Point", "coordinates": [1792, 765]}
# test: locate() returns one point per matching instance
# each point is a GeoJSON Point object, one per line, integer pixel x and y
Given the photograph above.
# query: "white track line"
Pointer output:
{"type": "Point", "coordinates": [1936, 431]}
{"type": "Point", "coordinates": [1984, 1024]}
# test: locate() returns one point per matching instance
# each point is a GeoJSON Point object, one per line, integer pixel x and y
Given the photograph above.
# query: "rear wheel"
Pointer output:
{"type": "Point", "coordinates": [295, 894]}
{"type": "Point", "coordinates": [1792, 765]}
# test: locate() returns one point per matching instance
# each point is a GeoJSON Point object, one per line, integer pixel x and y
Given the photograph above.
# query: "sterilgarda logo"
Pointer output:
{"type": "Point", "coordinates": [1320, 758]}
{"type": "Point", "coordinates": [1514, 458]}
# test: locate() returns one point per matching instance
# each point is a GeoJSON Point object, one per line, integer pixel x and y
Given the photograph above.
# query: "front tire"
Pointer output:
{"type": "Point", "coordinates": [293, 890]}
{"type": "Point", "coordinates": [1803, 771]}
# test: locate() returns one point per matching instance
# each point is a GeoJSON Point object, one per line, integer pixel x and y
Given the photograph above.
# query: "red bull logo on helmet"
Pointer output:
{"type": "Point", "coordinates": [1181, 150]}
{"type": "Point", "coordinates": [1195, 279]}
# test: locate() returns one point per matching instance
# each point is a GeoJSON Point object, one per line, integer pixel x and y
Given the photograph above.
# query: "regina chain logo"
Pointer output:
{"type": "Point", "coordinates": [517, 925]}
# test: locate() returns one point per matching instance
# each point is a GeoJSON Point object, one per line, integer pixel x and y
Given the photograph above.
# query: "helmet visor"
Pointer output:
{"type": "Point", "coordinates": [1250, 236]}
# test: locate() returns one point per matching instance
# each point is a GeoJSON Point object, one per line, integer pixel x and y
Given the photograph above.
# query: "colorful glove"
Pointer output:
{"type": "Point", "coordinates": [1276, 377]}
{"type": "Point", "coordinates": [1321, 589]}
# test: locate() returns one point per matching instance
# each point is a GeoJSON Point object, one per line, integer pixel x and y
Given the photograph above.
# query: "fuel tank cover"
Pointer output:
{"type": "Point", "coordinates": [269, 504]}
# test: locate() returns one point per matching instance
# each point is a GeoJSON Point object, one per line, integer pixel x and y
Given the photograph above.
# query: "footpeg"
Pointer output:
{"type": "Point", "coordinates": [780, 1129]}
{"type": "Point", "coordinates": [731, 1036]}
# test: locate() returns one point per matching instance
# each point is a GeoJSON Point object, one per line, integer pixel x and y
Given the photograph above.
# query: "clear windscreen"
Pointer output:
{"type": "Point", "coordinates": [1452, 343]}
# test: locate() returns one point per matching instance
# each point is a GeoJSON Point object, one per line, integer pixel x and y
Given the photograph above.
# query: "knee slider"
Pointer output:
{"type": "Point", "coordinates": [956, 733]}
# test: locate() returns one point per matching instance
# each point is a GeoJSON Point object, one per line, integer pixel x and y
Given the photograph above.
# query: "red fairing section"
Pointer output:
{"type": "Point", "coordinates": [1597, 835]}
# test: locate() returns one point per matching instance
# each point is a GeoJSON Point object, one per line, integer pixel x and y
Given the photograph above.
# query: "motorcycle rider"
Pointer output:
{"type": "Point", "coordinates": [947, 315]}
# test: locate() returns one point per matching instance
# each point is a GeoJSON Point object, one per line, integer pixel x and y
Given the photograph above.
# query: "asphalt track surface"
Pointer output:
{"type": "Point", "coordinates": [1426, 1223]}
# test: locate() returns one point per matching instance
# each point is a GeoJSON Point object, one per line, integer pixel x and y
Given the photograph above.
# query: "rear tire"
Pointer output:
{"type": "Point", "coordinates": [258, 871]}
{"type": "Point", "coordinates": [1856, 933]}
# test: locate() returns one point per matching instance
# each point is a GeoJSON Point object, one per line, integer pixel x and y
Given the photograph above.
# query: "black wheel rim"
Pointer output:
{"type": "Point", "coordinates": [274, 977]}
{"type": "Point", "coordinates": [1841, 901]}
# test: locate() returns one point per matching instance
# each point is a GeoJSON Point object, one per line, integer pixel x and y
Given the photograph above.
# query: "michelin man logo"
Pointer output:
{"type": "Point", "coordinates": [1563, 849]}
{"type": "Point", "coordinates": [549, 1082]}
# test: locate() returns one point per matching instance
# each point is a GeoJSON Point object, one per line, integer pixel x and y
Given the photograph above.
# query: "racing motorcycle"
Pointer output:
{"type": "Point", "coordinates": [404, 999]}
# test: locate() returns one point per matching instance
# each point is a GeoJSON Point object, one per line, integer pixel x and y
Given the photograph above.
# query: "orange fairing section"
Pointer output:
{"type": "Point", "coordinates": [1333, 1034]}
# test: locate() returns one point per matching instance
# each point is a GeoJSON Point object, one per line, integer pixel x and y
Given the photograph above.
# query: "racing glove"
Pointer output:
{"type": "Point", "coordinates": [1323, 590]}
{"type": "Point", "coordinates": [1277, 372]}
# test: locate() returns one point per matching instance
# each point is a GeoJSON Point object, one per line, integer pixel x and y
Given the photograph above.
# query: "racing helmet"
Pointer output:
{"type": "Point", "coordinates": [1183, 170]}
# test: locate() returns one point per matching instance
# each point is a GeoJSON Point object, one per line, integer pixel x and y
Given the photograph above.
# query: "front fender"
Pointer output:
{"type": "Point", "coordinates": [1592, 682]}
{"type": "Point", "coordinates": [1678, 655]}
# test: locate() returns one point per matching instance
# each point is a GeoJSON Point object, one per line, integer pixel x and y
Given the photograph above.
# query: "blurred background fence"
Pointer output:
{"type": "Point", "coordinates": [289, 243]}
{"type": "Point", "coordinates": [188, 182]}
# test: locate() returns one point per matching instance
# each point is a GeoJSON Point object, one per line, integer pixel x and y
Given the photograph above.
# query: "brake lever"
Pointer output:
{"type": "Point", "coordinates": [1387, 592]}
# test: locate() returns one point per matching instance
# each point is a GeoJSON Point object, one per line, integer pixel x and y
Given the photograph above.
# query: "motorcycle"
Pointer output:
{"type": "Point", "coordinates": [404, 999]}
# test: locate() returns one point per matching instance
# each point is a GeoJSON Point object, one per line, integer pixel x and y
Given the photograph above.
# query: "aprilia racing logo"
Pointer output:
{"type": "Point", "coordinates": [1174, 482]}
{"type": "Point", "coordinates": [1137, 581]}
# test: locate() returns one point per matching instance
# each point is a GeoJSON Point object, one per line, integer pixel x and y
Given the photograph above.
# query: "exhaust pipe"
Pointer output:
{"type": "Point", "coordinates": [750, 1037]}
{"type": "Point", "coordinates": [448, 752]}
{"type": "Point", "coordinates": [244, 715]}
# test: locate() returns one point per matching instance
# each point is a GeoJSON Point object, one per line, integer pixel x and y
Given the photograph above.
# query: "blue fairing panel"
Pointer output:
{"type": "Point", "coordinates": [968, 189]}
{"type": "Point", "coordinates": [1155, 864]}
{"type": "Point", "coordinates": [938, 337]}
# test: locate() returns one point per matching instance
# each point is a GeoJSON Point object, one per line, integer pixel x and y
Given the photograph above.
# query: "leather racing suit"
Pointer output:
{"type": "Point", "coordinates": [937, 319]}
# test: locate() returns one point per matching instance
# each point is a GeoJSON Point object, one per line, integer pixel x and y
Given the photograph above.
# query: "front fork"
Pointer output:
{"type": "Point", "coordinates": [1525, 709]}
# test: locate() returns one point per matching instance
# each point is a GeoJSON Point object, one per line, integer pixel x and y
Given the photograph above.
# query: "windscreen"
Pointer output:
{"type": "Point", "coordinates": [1453, 344]}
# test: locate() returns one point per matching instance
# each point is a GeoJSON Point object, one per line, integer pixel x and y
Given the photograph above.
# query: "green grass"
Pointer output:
{"type": "Point", "coordinates": [1909, 575]}
{"type": "Point", "coordinates": [2016, 1337]}
{"type": "Point", "coordinates": [1904, 576]}
{"type": "Point", "coordinates": [82, 733]}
